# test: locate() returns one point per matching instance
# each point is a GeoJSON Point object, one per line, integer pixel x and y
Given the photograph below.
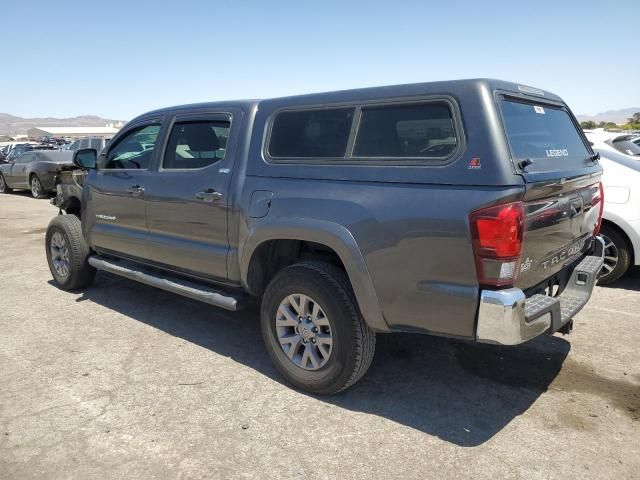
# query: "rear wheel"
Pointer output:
{"type": "Point", "coordinates": [68, 253]}
{"type": "Point", "coordinates": [36, 187]}
{"type": "Point", "coordinates": [4, 188]}
{"type": "Point", "coordinates": [617, 256]}
{"type": "Point", "coordinates": [313, 330]}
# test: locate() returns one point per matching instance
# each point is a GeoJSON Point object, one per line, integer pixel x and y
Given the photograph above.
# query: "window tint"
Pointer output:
{"type": "Point", "coordinates": [311, 133]}
{"type": "Point", "coordinates": [196, 144]}
{"type": "Point", "coordinates": [135, 149]}
{"type": "Point", "coordinates": [96, 143]}
{"type": "Point", "coordinates": [406, 131]}
{"type": "Point", "coordinates": [25, 158]}
{"type": "Point", "coordinates": [537, 131]}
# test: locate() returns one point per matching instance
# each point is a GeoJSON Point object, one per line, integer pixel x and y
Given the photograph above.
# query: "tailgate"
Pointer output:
{"type": "Point", "coordinates": [560, 219]}
{"type": "Point", "coordinates": [562, 184]}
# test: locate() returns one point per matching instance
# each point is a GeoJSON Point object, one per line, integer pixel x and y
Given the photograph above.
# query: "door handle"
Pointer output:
{"type": "Point", "coordinates": [209, 195]}
{"type": "Point", "coordinates": [136, 190]}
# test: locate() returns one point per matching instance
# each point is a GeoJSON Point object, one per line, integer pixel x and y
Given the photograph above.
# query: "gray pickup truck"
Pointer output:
{"type": "Point", "coordinates": [467, 209]}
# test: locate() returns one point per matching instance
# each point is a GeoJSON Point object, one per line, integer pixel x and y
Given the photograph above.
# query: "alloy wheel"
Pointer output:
{"type": "Point", "coordinates": [60, 254]}
{"type": "Point", "coordinates": [35, 187]}
{"type": "Point", "coordinates": [304, 331]}
{"type": "Point", "coordinates": [610, 257]}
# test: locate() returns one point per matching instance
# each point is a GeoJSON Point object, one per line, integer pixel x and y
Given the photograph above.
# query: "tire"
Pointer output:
{"type": "Point", "coordinates": [36, 187]}
{"type": "Point", "coordinates": [337, 318]}
{"type": "Point", "coordinates": [4, 188]}
{"type": "Point", "coordinates": [617, 256]}
{"type": "Point", "coordinates": [78, 273]}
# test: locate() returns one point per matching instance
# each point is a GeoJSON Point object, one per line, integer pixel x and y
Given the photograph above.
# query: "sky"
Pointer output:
{"type": "Point", "coordinates": [118, 59]}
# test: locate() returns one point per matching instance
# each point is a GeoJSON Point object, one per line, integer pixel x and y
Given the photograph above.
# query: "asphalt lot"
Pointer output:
{"type": "Point", "coordinates": [124, 381]}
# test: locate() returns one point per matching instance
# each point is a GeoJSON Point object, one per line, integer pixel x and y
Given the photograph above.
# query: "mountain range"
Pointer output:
{"type": "Point", "coordinates": [10, 124]}
{"type": "Point", "coordinates": [616, 116]}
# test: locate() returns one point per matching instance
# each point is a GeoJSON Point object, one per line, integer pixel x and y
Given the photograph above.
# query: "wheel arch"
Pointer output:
{"type": "Point", "coordinates": [73, 206]}
{"type": "Point", "coordinates": [633, 248]}
{"type": "Point", "coordinates": [329, 235]}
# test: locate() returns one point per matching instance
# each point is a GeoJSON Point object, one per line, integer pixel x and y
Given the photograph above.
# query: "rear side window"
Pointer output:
{"type": "Point", "coordinates": [320, 133]}
{"type": "Point", "coordinates": [541, 132]}
{"type": "Point", "coordinates": [196, 144]}
{"type": "Point", "coordinates": [406, 131]}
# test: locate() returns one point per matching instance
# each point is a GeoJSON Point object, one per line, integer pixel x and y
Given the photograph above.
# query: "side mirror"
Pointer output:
{"type": "Point", "coordinates": [85, 158]}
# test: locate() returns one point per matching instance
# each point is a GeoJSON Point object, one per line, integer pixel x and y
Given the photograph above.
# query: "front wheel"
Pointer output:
{"type": "Point", "coordinates": [617, 256]}
{"type": "Point", "coordinates": [36, 187]}
{"type": "Point", "coordinates": [68, 253]}
{"type": "Point", "coordinates": [313, 329]}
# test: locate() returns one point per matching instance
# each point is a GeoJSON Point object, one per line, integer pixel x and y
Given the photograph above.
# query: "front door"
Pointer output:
{"type": "Point", "coordinates": [188, 198]}
{"type": "Point", "coordinates": [115, 219]}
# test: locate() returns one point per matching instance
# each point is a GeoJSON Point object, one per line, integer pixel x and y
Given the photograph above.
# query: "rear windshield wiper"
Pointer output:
{"type": "Point", "coordinates": [594, 158]}
{"type": "Point", "coordinates": [523, 164]}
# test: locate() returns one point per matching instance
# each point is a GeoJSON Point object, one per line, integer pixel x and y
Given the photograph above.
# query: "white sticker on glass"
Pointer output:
{"type": "Point", "coordinates": [538, 109]}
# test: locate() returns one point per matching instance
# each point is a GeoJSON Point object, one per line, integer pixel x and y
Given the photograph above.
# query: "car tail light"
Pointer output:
{"type": "Point", "coordinates": [598, 199]}
{"type": "Point", "coordinates": [497, 234]}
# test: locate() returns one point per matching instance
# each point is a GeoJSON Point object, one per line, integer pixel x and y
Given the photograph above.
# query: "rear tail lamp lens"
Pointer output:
{"type": "Point", "coordinates": [497, 235]}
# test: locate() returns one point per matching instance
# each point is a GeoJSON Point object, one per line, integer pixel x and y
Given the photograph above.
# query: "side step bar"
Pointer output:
{"type": "Point", "coordinates": [174, 285]}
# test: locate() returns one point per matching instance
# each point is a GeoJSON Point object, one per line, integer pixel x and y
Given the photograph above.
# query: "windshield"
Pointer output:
{"type": "Point", "coordinates": [542, 132]}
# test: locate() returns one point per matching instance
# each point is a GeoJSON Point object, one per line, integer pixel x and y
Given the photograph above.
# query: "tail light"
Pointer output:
{"type": "Point", "coordinates": [598, 200]}
{"type": "Point", "coordinates": [497, 234]}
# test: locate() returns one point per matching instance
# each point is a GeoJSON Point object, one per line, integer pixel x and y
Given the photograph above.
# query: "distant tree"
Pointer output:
{"type": "Point", "coordinates": [588, 124]}
{"type": "Point", "coordinates": [607, 125]}
{"type": "Point", "coordinates": [635, 118]}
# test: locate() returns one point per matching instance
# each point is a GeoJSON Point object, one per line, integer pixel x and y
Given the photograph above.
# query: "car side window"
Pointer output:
{"type": "Point", "coordinates": [134, 150]}
{"type": "Point", "coordinates": [75, 145]}
{"type": "Point", "coordinates": [25, 158]}
{"type": "Point", "coordinates": [196, 144]}
{"type": "Point", "coordinates": [316, 133]}
{"type": "Point", "coordinates": [406, 131]}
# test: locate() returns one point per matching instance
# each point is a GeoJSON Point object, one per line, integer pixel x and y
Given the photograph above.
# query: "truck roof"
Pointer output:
{"type": "Point", "coordinates": [403, 90]}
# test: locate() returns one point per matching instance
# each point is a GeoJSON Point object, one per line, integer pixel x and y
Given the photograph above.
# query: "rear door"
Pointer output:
{"type": "Point", "coordinates": [115, 218]}
{"type": "Point", "coordinates": [188, 198]}
{"type": "Point", "coordinates": [562, 185]}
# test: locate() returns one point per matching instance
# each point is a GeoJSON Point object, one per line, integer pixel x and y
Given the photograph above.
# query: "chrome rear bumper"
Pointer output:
{"type": "Point", "coordinates": [507, 317]}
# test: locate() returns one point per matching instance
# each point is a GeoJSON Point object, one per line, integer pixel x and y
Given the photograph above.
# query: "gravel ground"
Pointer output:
{"type": "Point", "coordinates": [124, 381]}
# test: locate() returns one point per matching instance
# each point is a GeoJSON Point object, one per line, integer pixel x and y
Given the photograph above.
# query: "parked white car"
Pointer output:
{"type": "Point", "coordinates": [627, 143]}
{"type": "Point", "coordinates": [621, 216]}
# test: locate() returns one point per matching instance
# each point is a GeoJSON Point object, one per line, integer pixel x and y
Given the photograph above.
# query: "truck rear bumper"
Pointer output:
{"type": "Point", "coordinates": [508, 317]}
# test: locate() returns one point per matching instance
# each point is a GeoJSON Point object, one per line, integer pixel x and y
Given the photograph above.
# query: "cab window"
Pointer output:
{"type": "Point", "coordinates": [196, 144]}
{"type": "Point", "coordinates": [134, 150]}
